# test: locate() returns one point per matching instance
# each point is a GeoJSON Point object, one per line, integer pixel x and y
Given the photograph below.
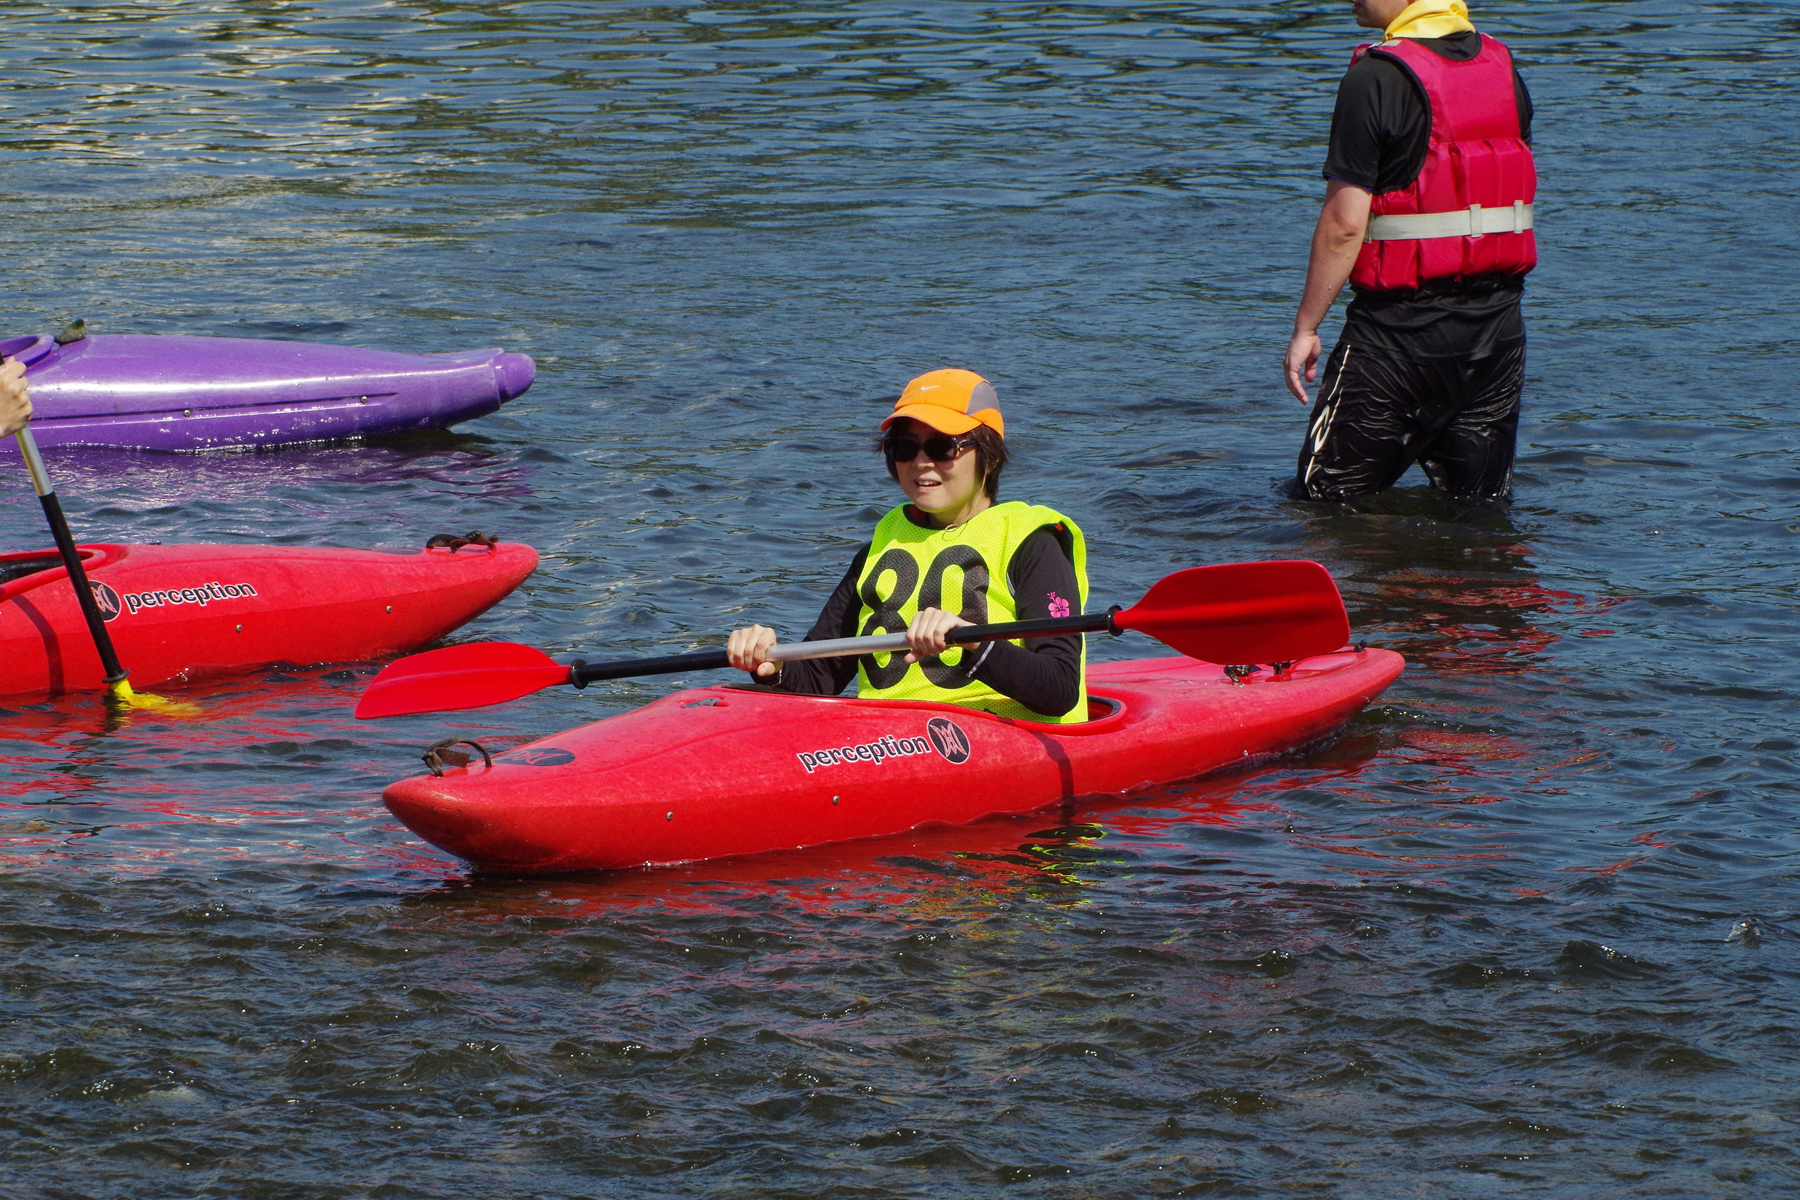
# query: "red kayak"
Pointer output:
{"type": "Point", "coordinates": [719, 771]}
{"type": "Point", "coordinates": [184, 613]}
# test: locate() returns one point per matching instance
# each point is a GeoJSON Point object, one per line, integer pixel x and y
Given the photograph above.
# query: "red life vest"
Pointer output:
{"type": "Point", "coordinates": [1477, 163]}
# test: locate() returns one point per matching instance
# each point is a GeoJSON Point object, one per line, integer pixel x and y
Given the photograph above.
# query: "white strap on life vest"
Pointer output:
{"type": "Point", "coordinates": [1473, 221]}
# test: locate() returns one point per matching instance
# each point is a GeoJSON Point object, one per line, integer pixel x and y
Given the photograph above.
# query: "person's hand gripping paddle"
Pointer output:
{"type": "Point", "coordinates": [1260, 612]}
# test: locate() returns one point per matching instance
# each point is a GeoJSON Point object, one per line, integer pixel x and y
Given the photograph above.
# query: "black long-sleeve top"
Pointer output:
{"type": "Point", "coordinates": [1044, 674]}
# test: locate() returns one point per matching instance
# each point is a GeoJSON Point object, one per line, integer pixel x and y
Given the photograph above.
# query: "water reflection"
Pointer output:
{"type": "Point", "coordinates": [450, 461]}
{"type": "Point", "coordinates": [1452, 585]}
{"type": "Point", "coordinates": [722, 229]}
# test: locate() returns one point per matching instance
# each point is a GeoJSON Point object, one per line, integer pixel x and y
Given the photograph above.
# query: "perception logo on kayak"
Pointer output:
{"type": "Point", "coordinates": [944, 736]}
{"type": "Point", "coordinates": [948, 737]}
{"type": "Point", "coordinates": [203, 595]}
{"type": "Point", "coordinates": [105, 599]}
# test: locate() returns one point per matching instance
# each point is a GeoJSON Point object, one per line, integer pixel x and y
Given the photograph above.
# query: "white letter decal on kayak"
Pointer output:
{"type": "Point", "coordinates": [202, 596]}
{"type": "Point", "coordinates": [943, 736]}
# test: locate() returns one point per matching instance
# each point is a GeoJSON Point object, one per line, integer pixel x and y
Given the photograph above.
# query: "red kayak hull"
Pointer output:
{"type": "Point", "coordinates": [181, 614]}
{"type": "Point", "coordinates": [719, 771]}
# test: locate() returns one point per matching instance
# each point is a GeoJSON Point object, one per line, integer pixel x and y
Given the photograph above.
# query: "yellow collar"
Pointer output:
{"type": "Point", "coordinates": [1430, 19]}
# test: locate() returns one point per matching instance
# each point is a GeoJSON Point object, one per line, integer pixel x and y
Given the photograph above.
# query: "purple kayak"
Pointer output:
{"type": "Point", "coordinates": [206, 393]}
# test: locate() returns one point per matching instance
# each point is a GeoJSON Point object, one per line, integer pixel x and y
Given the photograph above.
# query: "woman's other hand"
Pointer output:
{"type": "Point", "coordinates": [748, 648]}
{"type": "Point", "coordinates": [15, 398]}
{"type": "Point", "coordinates": [928, 631]}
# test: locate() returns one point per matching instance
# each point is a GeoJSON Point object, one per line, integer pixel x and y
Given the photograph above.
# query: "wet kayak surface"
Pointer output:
{"type": "Point", "coordinates": [1528, 926]}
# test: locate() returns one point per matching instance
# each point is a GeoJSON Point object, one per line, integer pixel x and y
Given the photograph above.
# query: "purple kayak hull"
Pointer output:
{"type": "Point", "coordinates": [204, 393]}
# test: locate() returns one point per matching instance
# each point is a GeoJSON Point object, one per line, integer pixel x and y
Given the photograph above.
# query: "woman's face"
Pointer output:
{"type": "Point", "coordinates": [947, 489]}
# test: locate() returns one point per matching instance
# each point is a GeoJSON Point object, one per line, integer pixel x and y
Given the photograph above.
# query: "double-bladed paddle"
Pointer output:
{"type": "Point", "coordinates": [1233, 613]}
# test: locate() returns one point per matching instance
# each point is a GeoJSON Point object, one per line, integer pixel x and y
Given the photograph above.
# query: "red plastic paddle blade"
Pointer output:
{"type": "Point", "coordinates": [1256, 612]}
{"type": "Point", "coordinates": [459, 677]}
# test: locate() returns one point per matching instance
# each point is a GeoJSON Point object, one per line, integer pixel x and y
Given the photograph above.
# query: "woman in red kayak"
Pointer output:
{"type": "Point", "coordinates": [951, 557]}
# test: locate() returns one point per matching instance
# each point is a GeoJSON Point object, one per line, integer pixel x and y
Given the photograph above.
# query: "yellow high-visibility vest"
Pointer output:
{"type": "Point", "coordinates": [960, 570]}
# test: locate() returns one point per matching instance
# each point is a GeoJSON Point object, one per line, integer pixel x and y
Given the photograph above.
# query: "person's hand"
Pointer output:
{"type": "Point", "coordinates": [747, 648]}
{"type": "Point", "coordinates": [928, 631]}
{"type": "Point", "coordinates": [15, 398]}
{"type": "Point", "coordinates": [1302, 358]}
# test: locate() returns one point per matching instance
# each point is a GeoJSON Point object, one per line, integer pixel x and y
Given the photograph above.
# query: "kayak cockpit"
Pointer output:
{"type": "Point", "coordinates": [1105, 714]}
{"type": "Point", "coordinates": [24, 570]}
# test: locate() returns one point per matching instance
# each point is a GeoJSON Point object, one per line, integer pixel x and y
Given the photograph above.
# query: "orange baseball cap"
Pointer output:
{"type": "Point", "coordinates": [943, 400]}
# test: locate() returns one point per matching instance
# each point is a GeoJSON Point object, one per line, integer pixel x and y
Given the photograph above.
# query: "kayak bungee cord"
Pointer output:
{"type": "Point", "coordinates": [118, 691]}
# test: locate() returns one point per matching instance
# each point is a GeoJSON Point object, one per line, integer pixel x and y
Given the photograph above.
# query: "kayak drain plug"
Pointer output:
{"type": "Point", "coordinates": [439, 755]}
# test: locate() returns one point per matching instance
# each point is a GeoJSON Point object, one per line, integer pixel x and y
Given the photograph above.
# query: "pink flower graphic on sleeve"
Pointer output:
{"type": "Point", "coordinates": [1058, 606]}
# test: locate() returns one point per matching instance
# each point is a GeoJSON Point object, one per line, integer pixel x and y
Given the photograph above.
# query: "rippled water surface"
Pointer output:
{"type": "Point", "coordinates": [1528, 926]}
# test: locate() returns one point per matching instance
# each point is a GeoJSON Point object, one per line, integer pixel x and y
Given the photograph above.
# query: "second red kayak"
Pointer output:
{"type": "Point", "coordinates": [184, 613]}
{"type": "Point", "coordinates": [718, 771]}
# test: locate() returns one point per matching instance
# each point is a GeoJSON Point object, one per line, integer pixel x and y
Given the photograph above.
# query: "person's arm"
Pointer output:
{"type": "Point", "coordinates": [809, 676]}
{"type": "Point", "coordinates": [1523, 96]}
{"type": "Point", "coordinates": [15, 398]}
{"type": "Point", "coordinates": [1380, 130]}
{"type": "Point", "coordinates": [1337, 240]}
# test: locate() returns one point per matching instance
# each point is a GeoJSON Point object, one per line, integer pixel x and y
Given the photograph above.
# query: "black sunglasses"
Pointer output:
{"type": "Point", "coordinates": [939, 449]}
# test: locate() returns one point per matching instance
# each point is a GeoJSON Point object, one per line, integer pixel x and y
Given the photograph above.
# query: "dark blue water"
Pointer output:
{"type": "Point", "coordinates": [1528, 927]}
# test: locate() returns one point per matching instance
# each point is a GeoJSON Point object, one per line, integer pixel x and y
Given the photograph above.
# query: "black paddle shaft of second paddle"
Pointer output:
{"type": "Point", "coordinates": [65, 545]}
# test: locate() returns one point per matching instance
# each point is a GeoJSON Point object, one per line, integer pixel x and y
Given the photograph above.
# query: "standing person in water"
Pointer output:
{"type": "Point", "coordinates": [952, 556]}
{"type": "Point", "coordinates": [1428, 215]}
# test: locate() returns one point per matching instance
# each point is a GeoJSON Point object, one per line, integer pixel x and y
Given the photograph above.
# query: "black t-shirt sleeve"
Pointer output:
{"type": "Point", "coordinates": [1381, 126]}
{"type": "Point", "coordinates": [829, 676]}
{"type": "Point", "coordinates": [1045, 673]}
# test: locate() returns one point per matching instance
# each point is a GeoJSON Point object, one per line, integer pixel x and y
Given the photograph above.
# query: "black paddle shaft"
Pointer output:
{"type": "Point", "coordinates": [1100, 622]}
{"type": "Point", "coordinates": [65, 546]}
{"type": "Point", "coordinates": [583, 673]}
{"type": "Point", "coordinates": [84, 591]}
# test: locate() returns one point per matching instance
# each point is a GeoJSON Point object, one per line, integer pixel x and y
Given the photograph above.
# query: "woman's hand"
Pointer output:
{"type": "Point", "coordinates": [15, 398]}
{"type": "Point", "coordinates": [747, 648]}
{"type": "Point", "coordinates": [928, 631]}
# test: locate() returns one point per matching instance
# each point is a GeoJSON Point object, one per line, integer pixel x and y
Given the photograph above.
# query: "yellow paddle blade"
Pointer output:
{"type": "Point", "coordinates": [121, 694]}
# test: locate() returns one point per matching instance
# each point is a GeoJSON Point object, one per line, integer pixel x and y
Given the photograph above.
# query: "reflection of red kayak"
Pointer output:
{"type": "Point", "coordinates": [718, 771]}
{"type": "Point", "coordinates": [183, 613]}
